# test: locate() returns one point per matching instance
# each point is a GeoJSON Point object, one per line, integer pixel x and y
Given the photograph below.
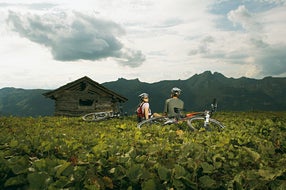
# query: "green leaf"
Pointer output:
{"type": "Point", "coordinates": [207, 182]}
{"type": "Point", "coordinates": [149, 185]}
{"type": "Point", "coordinates": [46, 146]}
{"type": "Point", "coordinates": [164, 173]}
{"type": "Point", "coordinates": [39, 180]}
{"type": "Point", "coordinates": [15, 181]}
{"type": "Point", "coordinates": [178, 184]}
{"type": "Point", "coordinates": [134, 173]}
{"type": "Point", "coordinates": [179, 171]}
{"type": "Point", "coordinates": [280, 185]}
{"type": "Point", "coordinates": [207, 168]}
{"type": "Point", "coordinates": [269, 173]}
{"type": "Point", "coordinates": [62, 182]}
{"type": "Point", "coordinates": [64, 169]}
{"type": "Point", "coordinates": [189, 183]}
{"type": "Point", "coordinates": [47, 165]}
{"type": "Point", "coordinates": [252, 153]}
{"type": "Point", "coordinates": [19, 164]}
{"type": "Point", "coordinates": [13, 143]}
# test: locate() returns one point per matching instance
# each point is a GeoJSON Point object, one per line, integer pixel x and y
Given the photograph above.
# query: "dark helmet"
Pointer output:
{"type": "Point", "coordinates": [176, 91]}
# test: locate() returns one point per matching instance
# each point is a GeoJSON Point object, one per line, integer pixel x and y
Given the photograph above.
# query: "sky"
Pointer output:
{"type": "Point", "coordinates": [48, 43]}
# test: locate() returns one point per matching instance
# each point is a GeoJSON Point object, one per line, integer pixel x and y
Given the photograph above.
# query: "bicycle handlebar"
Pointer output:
{"type": "Point", "coordinates": [213, 107]}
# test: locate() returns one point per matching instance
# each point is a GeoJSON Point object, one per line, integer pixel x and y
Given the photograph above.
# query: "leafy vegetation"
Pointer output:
{"type": "Point", "coordinates": [68, 153]}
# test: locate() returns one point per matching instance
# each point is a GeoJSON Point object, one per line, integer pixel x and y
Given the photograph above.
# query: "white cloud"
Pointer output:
{"type": "Point", "coordinates": [244, 18]}
{"type": "Point", "coordinates": [274, 24]}
{"type": "Point", "coordinates": [74, 36]}
{"type": "Point", "coordinates": [268, 57]}
{"type": "Point", "coordinates": [55, 42]}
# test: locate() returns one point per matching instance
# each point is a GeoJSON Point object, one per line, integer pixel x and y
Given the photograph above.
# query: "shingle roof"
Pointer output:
{"type": "Point", "coordinates": [75, 84]}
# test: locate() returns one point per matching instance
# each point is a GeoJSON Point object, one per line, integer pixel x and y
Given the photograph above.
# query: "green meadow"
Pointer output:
{"type": "Point", "coordinates": [69, 153]}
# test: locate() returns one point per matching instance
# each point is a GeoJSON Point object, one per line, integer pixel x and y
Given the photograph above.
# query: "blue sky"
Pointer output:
{"type": "Point", "coordinates": [48, 43]}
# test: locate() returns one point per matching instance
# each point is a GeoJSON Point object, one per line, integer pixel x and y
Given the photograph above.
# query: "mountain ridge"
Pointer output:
{"type": "Point", "coordinates": [198, 91]}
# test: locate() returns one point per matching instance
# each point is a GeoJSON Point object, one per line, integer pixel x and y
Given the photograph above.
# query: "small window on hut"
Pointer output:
{"type": "Point", "coordinates": [85, 102]}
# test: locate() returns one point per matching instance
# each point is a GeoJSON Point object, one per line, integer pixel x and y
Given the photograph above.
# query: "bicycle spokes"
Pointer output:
{"type": "Point", "coordinates": [200, 122]}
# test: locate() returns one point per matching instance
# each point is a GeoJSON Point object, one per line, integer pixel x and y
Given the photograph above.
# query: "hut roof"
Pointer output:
{"type": "Point", "coordinates": [76, 85]}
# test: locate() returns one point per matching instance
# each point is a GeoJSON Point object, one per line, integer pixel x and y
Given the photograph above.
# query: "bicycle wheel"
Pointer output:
{"type": "Point", "coordinates": [198, 122]}
{"type": "Point", "coordinates": [152, 121]}
{"type": "Point", "coordinates": [95, 116]}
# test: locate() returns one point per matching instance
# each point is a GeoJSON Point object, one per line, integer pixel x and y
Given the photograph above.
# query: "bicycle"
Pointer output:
{"type": "Point", "coordinates": [194, 120]}
{"type": "Point", "coordinates": [99, 116]}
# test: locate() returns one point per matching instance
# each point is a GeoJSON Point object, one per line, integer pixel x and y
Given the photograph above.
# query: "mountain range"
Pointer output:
{"type": "Point", "coordinates": [198, 92]}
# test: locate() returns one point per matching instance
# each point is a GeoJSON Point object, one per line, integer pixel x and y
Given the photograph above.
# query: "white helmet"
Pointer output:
{"type": "Point", "coordinates": [176, 91]}
{"type": "Point", "coordinates": [143, 95]}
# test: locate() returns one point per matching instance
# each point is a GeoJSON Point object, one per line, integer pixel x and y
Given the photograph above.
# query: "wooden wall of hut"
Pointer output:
{"type": "Point", "coordinates": [77, 104]}
{"type": "Point", "coordinates": [84, 96]}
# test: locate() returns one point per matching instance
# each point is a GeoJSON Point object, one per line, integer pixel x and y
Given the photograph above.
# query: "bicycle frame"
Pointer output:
{"type": "Point", "coordinates": [206, 114]}
{"type": "Point", "coordinates": [191, 118]}
{"type": "Point", "coordinates": [98, 116]}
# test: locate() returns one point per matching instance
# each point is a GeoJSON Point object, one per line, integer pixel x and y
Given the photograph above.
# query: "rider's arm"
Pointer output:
{"type": "Point", "coordinates": [146, 111]}
{"type": "Point", "coordinates": [165, 111]}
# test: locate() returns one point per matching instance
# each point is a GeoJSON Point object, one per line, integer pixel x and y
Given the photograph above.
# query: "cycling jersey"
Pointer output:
{"type": "Point", "coordinates": [172, 103]}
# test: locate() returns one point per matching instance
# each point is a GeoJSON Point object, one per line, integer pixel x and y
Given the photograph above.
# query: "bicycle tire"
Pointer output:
{"type": "Point", "coordinates": [197, 123]}
{"type": "Point", "coordinates": [152, 121]}
{"type": "Point", "coordinates": [97, 116]}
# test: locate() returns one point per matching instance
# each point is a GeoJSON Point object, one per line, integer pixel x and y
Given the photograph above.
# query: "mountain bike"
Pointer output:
{"type": "Point", "coordinates": [99, 116]}
{"type": "Point", "coordinates": [195, 120]}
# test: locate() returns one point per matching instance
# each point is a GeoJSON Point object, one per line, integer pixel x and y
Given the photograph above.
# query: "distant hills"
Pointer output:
{"type": "Point", "coordinates": [21, 102]}
{"type": "Point", "coordinates": [242, 94]}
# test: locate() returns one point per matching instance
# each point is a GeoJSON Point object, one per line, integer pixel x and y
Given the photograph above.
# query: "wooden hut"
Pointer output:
{"type": "Point", "coordinates": [84, 96]}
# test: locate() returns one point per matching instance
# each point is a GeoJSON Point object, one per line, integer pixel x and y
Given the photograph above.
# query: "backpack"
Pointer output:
{"type": "Point", "coordinates": [139, 111]}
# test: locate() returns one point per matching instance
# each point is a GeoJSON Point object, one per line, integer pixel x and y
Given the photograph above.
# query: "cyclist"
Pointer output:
{"type": "Point", "coordinates": [173, 102]}
{"type": "Point", "coordinates": [143, 110]}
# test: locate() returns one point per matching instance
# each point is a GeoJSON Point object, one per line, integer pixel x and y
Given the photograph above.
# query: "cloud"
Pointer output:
{"type": "Point", "coordinates": [250, 23]}
{"type": "Point", "coordinates": [203, 47]}
{"type": "Point", "coordinates": [272, 60]}
{"type": "Point", "coordinates": [244, 18]}
{"type": "Point", "coordinates": [131, 58]}
{"type": "Point", "coordinates": [75, 36]}
{"type": "Point", "coordinates": [32, 6]}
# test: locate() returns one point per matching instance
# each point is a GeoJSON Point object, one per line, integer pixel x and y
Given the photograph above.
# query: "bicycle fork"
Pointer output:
{"type": "Point", "coordinates": [207, 120]}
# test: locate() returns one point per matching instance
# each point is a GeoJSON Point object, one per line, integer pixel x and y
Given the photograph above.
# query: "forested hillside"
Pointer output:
{"type": "Point", "coordinates": [243, 94]}
{"type": "Point", "coordinates": [21, 102]}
